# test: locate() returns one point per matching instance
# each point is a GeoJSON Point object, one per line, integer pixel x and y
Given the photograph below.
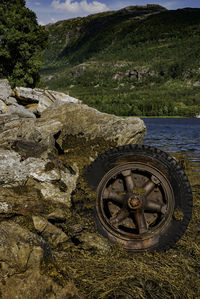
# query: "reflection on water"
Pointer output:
{"type": "Point", "coordinates": [174, 135]}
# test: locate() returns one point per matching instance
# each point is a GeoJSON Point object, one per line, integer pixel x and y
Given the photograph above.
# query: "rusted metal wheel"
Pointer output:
{"type": "Point", "coordinates": [140, 192]}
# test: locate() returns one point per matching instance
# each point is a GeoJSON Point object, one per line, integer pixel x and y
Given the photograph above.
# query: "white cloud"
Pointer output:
{"type": "Point", "coordinates": [41, 23]}
{"type": "Point", "coordinates": [171, 4]}
{"type": "Point", "coordinates": [81, 7]}
{"type": "Point", "coordinates": [93, 7]}
{"type": "Point", "coordinates": [37, 3]}
{"type": "Point", "coordinates": [53, 20]}
{"type": "Point", "coordinates": [65, 6]}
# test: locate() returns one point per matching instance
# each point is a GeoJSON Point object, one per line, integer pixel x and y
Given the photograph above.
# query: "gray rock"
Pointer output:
{"type": "Point", "coordinates": [32, 140]}
{"type": "Point", "coordinates": [44, 98]}
{"type": "Point", "coordinates": [20, 111]}
{"type": "Point", "coordinates": [5, 89]}
{"type": "Point", "coordinates": [51, 180]}
{"type": "Point", "coordinates": [44, 103]}
{"type": "Point", "coordinates": [13, 128]}
{"type": "Point", "coordinates": [3, 107]}
{"type": "Point", "coordinates": [36, 169]}
{"type": "Point", "coordinates": [95, 242]}
{"type": "Point", "coordinates": [28, 94]}
{"type": "Point", "coordinates": [10, 101]}
{"type": "Point", "coordinates": [49, 97]}
{"type": "Point", "coordinates": [61, 97]}
{"type": "Point", "coordinates": [13, 172]}
{"type": "Point", "coordinates": [93, 125]}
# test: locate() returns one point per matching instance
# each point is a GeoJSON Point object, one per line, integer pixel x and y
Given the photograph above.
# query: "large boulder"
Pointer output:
{"type": "Point", "coordinates": [49, 151]}
{"type": "Point", "coordinates": [88, 123]}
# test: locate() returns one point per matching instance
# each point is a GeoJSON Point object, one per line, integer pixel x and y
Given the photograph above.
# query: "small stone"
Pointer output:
{"type": "Point", "coordinates": [53, 193]}
{"type": "Point", "coordinates": [49, 232]}
{"type": "Point", "coordinates": [58, 214]}
{"type": "Point", "coordinates": [45, 101]}
{"type": "Point", "coordinates": [4, 207]}
{"type": "Point", "coordinates": [94, 241]}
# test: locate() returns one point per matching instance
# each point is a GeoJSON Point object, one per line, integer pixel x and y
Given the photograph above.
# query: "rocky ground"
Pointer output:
{"type": "Point", "coordinates": [49, 245]}
{"type": "Point", "coordinates": [47, 139]}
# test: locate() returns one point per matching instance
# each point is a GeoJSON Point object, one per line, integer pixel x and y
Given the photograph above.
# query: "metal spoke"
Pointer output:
{"type": "Point", "coordinates": [115, 196]}
{"type": "Point", "coordinates": [150, 185]}
{"type": "Point", "coordinates": [153, 206]}
{"type": "Point", "coordinates": [121, 215]}
{"type": "Point", "coordinates": [128, 179]}
{"type": "Point", "coordinates": [141, 221]}
{"type": "Point", "coordinates": [148, 188]}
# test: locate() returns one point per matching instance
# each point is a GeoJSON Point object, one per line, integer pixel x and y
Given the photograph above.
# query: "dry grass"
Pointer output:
{"type": "Point", "coordinates": [117, 274]}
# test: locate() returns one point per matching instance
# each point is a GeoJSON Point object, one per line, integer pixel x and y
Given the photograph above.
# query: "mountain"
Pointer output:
{"type": "Point", "coordinates": [140, 60]}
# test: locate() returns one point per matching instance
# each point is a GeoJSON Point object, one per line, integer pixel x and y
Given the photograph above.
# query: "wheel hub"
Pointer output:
{"type": "Point", "coordinates": [135, 201]}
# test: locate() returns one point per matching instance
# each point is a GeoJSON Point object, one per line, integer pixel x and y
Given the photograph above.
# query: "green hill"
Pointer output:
{"type": "Point", "coordinates": [140, 60]}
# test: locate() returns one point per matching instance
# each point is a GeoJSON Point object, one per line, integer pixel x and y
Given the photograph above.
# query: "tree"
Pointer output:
{"type": "Point", "coordinates": [22, 42]}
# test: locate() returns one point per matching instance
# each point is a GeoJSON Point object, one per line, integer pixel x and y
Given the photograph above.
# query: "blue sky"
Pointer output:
{"type": "Point", "coordinates": [50, 11]}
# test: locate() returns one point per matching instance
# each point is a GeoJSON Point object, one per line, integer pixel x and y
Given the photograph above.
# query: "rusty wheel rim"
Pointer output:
{"type": "Point", "coordinates": [135, 201]}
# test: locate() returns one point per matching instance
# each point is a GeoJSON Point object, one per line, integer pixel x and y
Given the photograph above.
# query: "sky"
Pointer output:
{"type": "Point", "coordinates": [51, 11]}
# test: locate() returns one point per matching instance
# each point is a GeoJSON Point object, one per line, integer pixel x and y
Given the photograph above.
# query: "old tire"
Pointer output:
{"type": "Point", "coordinates": [144, 198]}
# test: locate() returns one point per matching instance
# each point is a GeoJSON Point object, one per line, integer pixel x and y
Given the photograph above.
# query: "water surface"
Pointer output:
{"type": "Point", "coordinates": [174, 135]}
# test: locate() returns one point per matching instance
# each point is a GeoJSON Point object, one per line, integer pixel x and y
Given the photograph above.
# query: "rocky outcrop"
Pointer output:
{"type": "Point", "coordinates": [135, 75]}
{"type": "Point", "coordinates": [46, 139]}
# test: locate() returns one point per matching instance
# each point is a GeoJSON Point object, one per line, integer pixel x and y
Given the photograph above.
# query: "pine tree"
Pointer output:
{"type": "Point", "coordinates": [22, 42]}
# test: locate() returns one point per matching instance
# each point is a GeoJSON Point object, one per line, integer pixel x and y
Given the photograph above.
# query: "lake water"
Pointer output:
{"type": "Point", "coordinates": [174, 135]}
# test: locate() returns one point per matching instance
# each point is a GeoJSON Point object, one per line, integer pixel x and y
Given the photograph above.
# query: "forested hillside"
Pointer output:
{"type": "Point", "coordinates": [141, 60]}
